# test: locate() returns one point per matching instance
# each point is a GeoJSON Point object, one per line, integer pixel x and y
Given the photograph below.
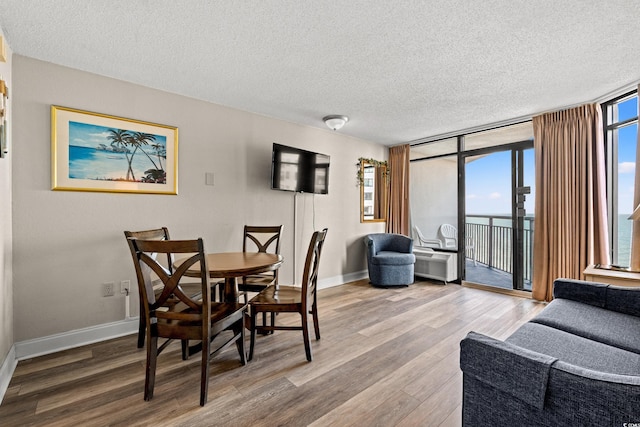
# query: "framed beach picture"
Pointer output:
{"type": "Point", "coordinates": [98, 152]}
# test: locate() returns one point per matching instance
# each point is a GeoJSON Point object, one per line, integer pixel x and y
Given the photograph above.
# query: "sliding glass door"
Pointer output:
{"type": "Point", "coordinates": [481, 185]}
{"type": "Point", "coordinates": [498, 215]}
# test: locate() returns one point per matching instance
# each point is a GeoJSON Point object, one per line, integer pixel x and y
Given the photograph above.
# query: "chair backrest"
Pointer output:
{"type": "Point", "coordinates": [153, 234]}
{"type": "Point", "coordinates": [421, 237]}
{"type": "Point", "coordinates": [377, 242]}
{"type": "Point", "coordinates": [311, 267]}
{"type": "Point", "coordinates": [263, 238]}
{"type": "Point", "coordinates": [448, 234]}
{"type": "Point", "coordinates": [172, 304]}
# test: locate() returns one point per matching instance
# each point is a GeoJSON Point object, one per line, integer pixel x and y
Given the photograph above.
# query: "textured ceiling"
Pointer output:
{"type": "Point", "coordinates": [401, 70]}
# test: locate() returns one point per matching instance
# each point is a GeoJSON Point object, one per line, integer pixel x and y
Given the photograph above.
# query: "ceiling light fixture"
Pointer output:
{"type": "Point", "coordinates": [335, 122]}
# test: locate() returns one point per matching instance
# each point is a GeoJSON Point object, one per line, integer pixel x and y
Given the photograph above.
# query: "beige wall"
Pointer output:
{"type": "Point", "coordinates": [6, 282]}
{"type": "Point", "coordinates": [66, 244]}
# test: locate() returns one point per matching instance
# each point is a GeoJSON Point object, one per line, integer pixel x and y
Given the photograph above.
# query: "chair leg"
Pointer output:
{"type": "Point", "coordinates": [141, 327]}
{"type": "Point", "coordinates": [305, 336]}
{"type": "Point", "coordinates": [238, 328]}
{"type": "Point", "coordinates": [316, 324]}
{"type": "Point", "coordinates": [184, 344]}
{"type": "Point", "coordinates": [204, 370]}
{"type": "Point", "coordinates": [253, 333]}
{"type": "Point", "coordinates": [264, 322]}
{"type": "Point", "coordinates": [150, 374]}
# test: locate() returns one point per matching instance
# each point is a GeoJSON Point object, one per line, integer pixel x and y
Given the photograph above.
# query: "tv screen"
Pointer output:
{"type": "Point", "coordinates": [302, 171]}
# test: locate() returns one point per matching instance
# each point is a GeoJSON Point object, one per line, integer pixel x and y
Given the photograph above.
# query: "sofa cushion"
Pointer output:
{"type": "Point", "coordinates": [598, 324]}
{"type": "Point", "coordinates": [393, 258]}
{"type": "Point", "coordinates": [576, 350]}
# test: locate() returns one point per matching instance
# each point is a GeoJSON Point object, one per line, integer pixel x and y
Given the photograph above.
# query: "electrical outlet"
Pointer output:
{"type": "Point", "coordinates": [108, 289]}
{"type": "Point", "coordinates": [125, 286]}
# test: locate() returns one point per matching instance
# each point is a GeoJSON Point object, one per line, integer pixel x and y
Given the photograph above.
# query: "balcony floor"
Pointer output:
{"type": "Point", "coordinates": [482, 274]}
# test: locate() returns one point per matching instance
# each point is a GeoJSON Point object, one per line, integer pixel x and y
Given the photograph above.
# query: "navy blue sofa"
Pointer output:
{"type": "Point", "coordinates": [390, 259]}
{"type": "Point", "coordinates": [577, 363]}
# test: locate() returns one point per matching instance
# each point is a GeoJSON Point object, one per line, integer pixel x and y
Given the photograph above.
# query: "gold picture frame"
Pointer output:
{"type": "Point", "coordinates": [98, 152]}
{"type": "Point", "coordinates": [3, 50]}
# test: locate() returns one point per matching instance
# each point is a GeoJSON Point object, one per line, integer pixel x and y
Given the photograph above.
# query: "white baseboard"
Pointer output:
{"type": "Point", "coordinates": [6, 371]}
{"type": "Point", "coordinates": [53, 343]}
{"type": "Point", "coordinates": [79, 337]}
{"type": "Point", "coordinates": [342, 279]}
{"type": "Point", "coordinates": [75, 338]}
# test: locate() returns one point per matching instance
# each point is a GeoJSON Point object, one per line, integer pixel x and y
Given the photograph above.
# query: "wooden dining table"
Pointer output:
{"type": "Point", "coordinates": [231, 265]}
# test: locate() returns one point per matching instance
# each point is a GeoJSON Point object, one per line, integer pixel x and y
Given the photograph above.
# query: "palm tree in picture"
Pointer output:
{"type": "Point", "coordinates": [155, 176]}
{"type": "Point", "coordinates": [138, 140]}
{"type": "Point", "coordinates": [119, 140]}
{"type": "Point", "coordinates": [160, 152]}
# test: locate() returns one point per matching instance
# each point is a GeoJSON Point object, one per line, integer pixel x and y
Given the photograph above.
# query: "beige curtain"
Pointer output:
{"type": "Point", "coordinates": [635, 235]}
{"type": "Point", "coordinates": [398, 219]}
{"type": "Point", "coordinates": [571, 212]}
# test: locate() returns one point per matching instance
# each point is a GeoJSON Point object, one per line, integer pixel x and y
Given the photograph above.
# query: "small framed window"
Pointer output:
{"type": "Point", "coordinates": [620, 117]}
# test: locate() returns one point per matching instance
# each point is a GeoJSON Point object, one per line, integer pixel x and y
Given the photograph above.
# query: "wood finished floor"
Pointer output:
{"type": "Point", "coordinates": [387, 357]}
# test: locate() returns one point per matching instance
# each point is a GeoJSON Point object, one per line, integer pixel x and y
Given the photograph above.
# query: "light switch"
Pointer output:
{"type": "Point", "coordinates": [208, 178]}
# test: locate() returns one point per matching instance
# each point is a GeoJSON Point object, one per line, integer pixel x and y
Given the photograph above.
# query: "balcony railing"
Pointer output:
{"type": "Point", "coordinates": [492, 237]}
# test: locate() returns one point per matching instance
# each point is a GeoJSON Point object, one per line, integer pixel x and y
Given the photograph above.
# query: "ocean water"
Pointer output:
{"type": "Point", "coordinates": [624, 240]}
{"type": "Point", "coordinates": [624, 234]}
{"type": "Point", "coordinates": [89, 163]}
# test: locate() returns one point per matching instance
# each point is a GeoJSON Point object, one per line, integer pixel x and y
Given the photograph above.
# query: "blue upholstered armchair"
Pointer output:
{"type": "Point", "coordinates": [390, 259]}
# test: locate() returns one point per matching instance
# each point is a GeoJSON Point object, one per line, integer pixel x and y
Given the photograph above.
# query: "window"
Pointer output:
{"type": "Point", "coordinates": [621, 129]}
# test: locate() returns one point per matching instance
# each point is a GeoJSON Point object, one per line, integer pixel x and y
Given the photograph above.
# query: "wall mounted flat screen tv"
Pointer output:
{"type": "Point", "coordinates": [302, 171]}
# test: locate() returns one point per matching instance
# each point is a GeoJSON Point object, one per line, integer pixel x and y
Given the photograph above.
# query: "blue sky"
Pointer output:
{"type": "Point", "coordinates": [488, 183]}
{"type": "Point", "coordinates": [488, 179]}
{"type": "Point", "coordinates": [87, 135]}
{"type": "Point", "coordinates": [627, 156]}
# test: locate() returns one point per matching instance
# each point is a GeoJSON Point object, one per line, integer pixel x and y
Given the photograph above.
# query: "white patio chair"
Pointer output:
{"type": "Point", "coordinates": [423, 241]}
{"type": "Point", "coordinates": [447, 239]}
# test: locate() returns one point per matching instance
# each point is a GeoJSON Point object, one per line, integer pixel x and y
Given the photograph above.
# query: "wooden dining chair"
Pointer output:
{"type": "Point", "coordinates": [260, 239]}
{"type": "Point", "coordinates": [189, 319]}
{"type": "Point", "coordinates": [192, 289]}
{"type": "Point", "coordinates": [292, 299]}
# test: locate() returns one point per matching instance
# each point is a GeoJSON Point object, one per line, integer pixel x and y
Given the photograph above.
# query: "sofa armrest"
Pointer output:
{"type": "Point", "coordinates": [623, 300]}
{"type": "Point", "coordinates": [605, 378]}
{"type": "Point", "coordinates": [498, 376]}
{"type": "Point", "coordinates": [616, 298]}
{"type": "Point", "coordinates": [503, 366]}
{"type": "Point", "coordinates": [591, 293]}
{"type": "Point", "coordinates": [370, 244]}
{"type": "Point", "coordinates": [409, 245]}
